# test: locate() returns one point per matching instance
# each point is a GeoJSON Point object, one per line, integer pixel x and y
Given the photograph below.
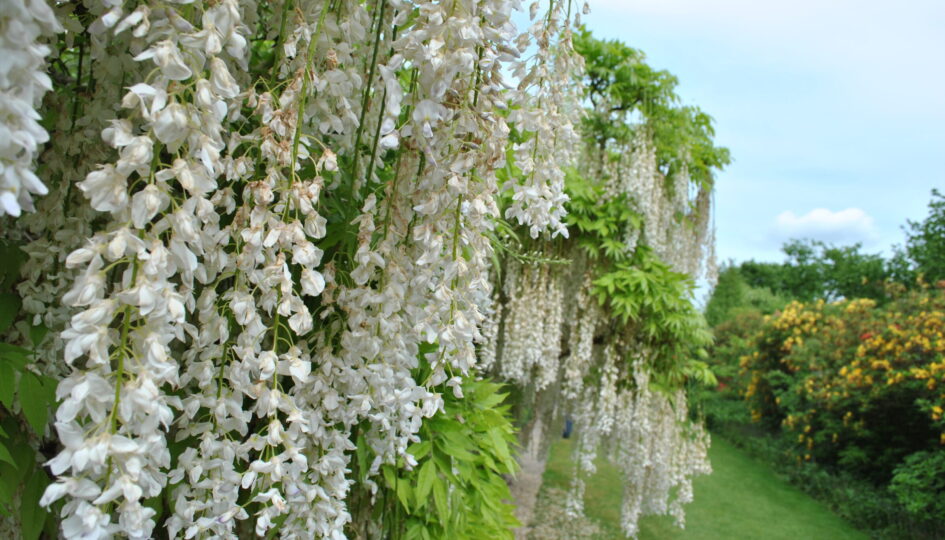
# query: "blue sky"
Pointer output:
{"type": "Point", "coordinates": [834, 110]}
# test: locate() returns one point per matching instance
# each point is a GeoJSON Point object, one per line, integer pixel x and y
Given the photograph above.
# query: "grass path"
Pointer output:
{"type": "Point", "coordinates": [741, 499]}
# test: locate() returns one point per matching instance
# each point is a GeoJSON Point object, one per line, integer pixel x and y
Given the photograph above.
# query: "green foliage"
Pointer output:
{"type": "Point", "coordinates": [733, 297]}
{"type": "Point", "coordinates": [683, 137]}
{"type": "Point", "coordinates": [656, 301]}
{"type": "Point", "coordinates": [618, 82]}
{"type": "Point", "coordinates": [919, 484]}
{"type": "Point", "coordinates": [925, 243]}
{"type": "Point", "coordinates": [622, 88]}
{"type": "Point", "coordinates": [641, 292]}
{"type": "Point", "coordinates": [457, 489]}
{"type": "Point", "coordinates": [729, 293]}
{"type": "Point", "coordinates": [816, 270]}
{"type": "Point", "coordinates": [26, 399]}
{"type": "Point", "coordinates": [599, 223]}
{"type": "Point", "coordinates": [851, 274]}
{"type": "Point", "coordinates": [856, 385]}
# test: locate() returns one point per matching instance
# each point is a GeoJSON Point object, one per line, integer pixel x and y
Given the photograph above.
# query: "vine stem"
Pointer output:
{"type": "Point", "coordinates": [367, 86]}
{"type": "Point", "coordinates": [280, 39]}
{"type": "Point", "coordinates": [306, 77]}
{"type": "Point", "coordinates": [120, 371]}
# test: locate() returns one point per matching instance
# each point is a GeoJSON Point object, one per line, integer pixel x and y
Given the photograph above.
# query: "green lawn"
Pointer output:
{"type": "Point", "coordinates": [741, 499]}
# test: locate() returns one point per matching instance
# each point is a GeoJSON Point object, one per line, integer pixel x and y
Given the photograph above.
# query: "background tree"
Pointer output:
{"type": "Point", "coordinates": [924, 252]}
{"type": "Point", "coordinates": [817, 270]}
{"type": "Point", "coordinates": [733, 295]}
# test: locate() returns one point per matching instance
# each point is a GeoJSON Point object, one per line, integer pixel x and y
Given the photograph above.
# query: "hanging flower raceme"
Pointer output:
{"type": "Point", "coordinates": [597, 327]}
{"type": "Point", "coordinates": [271, 215]}
{"type": "Point", "coordinates": [23, 81]}
{"type": "Point", "coordinates": [161, 235]}
{"type": "Point", "coordinates": [547, 101]}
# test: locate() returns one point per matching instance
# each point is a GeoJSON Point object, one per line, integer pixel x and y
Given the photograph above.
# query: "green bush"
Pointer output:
{"type": "Point", "coordinates": [919, 484]}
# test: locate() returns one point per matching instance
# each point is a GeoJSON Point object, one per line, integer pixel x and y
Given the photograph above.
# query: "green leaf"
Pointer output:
{"type": "Point", "coordinates": [420, 450]}
{"type": "Point", "coordinates": [491, 400]}
{"type": "Point", "coordinates": [13, 258]}
{"type": "Point", "coordinates": [404, 491]}
{"type": "Point", "coordinates": [9, 307]}
{"type": "Point", "coordinates": [7, 385]}
{"type": "Point", "coordinates": [5, 455]}
{"type": "Point", "coordinates": [37, 333]}
{"type": "Point", "coordinates": [425, 481]}
{"type": "Point", "coordinates": [415, 529]}
{"type": "Point", "coordinates": [34, 400]}
{"type": "Point", "coordinates": [18, 357]}
{"type": "Point", "coordinates": [442, 505]}
{"type": "Point", "coordinates": [8, 485]}
{"type": "Point", "coordinates": [360, 452]}
{"type": "Point", "coordinates": [32, 515]}
{"type": "Point", "coordinates": [390, 476]}
{"type": "Point", "coordinates": [25, 458]}
{"type": "Point", "coordinates": [501, 448]}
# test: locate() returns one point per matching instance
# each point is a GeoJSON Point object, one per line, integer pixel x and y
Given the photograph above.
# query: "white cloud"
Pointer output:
{"type": "Point", "coordinates": [844, 226]}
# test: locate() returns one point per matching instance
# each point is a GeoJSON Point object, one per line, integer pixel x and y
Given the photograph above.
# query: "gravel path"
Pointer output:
{"type": "Point", "coordinates": [525, 489]}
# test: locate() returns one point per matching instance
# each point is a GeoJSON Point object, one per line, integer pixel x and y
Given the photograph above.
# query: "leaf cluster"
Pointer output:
{"type": "Point", "coordinates": [924, 252]}
{"type": "Point", "coordinates": [26, 399]}
{"type": "Point", "coordinates": [457, 489]}
{"type": "Point", "coordinates": [817, 270]}
{"type": "Point", "coordinates": [641, 292]}
{"type": "Point", "coordinates": [626, 94]}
